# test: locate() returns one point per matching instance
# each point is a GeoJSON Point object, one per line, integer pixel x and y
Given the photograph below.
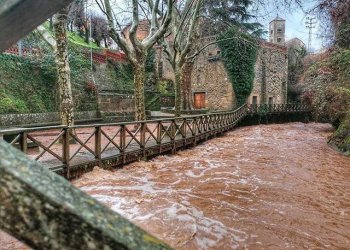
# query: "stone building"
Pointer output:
{"type": "Point", "coordinates": [277, 31]}
{"type": "Point", "coordinates": [210, 84]}
{"type": "Point", "coordinates": [271, 75]}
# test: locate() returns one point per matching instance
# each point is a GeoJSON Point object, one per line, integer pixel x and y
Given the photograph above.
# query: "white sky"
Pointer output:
{"type": "Point", "coordinates": [295, 21]}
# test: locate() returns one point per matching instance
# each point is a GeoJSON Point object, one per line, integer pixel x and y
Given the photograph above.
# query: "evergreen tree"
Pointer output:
{"type": "Point", "coordinates": [220, 15]}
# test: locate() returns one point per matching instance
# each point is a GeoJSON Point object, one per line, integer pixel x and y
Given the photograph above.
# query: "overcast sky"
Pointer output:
{"type": "Point", "coordinates": [295, 21]}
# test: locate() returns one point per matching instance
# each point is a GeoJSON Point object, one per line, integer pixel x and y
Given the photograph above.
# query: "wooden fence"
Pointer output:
{"type": "Point", "coordinates": [71, 151]}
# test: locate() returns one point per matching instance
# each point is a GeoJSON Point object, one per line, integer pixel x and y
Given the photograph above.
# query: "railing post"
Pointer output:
{"type": "Point", "coordinates": [173, 134]}
{"type": "Point", "coordinates": [23, 142]}
{"type": "Point", "coordinates": [195, 130]}
{"type": "Point", "coordinates": [184, 130]}
{"type": "Point", "coordinates": [122, 142]}
{"type": "Point", "coordinates": [65, 149]}
{"type": "Point", "coordinates": [143, 138]}
{"type": "Point", "coordinates": [159, 136]}
{"type": "Point", "coordinates": [98, 145]}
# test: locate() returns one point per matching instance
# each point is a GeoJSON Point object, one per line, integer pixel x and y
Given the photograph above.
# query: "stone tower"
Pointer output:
{"type": "Point", "coordinates": [277, 31]}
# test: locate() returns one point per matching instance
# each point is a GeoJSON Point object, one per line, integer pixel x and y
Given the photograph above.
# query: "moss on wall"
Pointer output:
{"type": "Point", "coordinates": [28, 85]}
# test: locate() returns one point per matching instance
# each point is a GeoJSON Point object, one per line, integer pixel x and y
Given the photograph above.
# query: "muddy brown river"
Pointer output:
{"type": "Point", "coordinates": [259, 187]}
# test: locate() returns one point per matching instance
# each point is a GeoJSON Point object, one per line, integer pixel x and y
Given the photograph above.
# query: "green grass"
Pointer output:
{"type": "Point", "coordinates": [75, 38]}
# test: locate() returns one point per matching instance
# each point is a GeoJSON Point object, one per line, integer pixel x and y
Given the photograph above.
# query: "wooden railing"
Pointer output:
{"type": "Point", "coordinates": [277, 108]}
{"type": "Point", "coordinates": [73, 150]}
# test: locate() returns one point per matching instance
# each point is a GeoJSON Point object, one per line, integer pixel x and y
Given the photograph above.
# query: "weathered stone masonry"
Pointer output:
{"type": "Point", "coordinates": [271, 75]}
{"type": "Point", "coordinates": [209, 76]}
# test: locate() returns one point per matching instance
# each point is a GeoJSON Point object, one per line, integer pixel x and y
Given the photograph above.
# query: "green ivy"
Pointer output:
{"type": "Point", "coordinates": [239, 54]}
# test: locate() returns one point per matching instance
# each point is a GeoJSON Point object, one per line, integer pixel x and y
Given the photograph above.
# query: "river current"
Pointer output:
{"type": "Point", "coordinates": [267, 186]}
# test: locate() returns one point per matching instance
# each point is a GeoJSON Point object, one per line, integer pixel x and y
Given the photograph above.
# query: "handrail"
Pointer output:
{"type": "Point", "coordinates": [112, 144]}
{"type": "Point", "coordinates": [21, 130]}
{"type": "Point", "coordinates": [60, 215]}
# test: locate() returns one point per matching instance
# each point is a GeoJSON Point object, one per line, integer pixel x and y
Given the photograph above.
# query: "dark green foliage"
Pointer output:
{"type": "Point", "coordinates": [223, 14]}
{"type": "Point", "coordinates": [124, 78]}
{"type": "Point", "coordinates": [25, 86]}
{"type": "Point", "coordinates": [30, 86]}
{"type": "Point", "coordinates": [239, 54]}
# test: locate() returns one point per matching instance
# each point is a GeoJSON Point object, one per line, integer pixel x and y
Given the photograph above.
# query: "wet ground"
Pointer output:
{"type": "Point", "coordinates": [271, 187]}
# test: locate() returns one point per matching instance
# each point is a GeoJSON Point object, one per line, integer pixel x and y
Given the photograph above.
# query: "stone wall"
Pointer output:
{"type": "Point", "coordinates": [115, 102]}
{"type": "Point", "coordinates": [12, 120]}
{"type": "Point", "coordinates": [209, 76]}
{"type": "Point", "coordinates": [271, 75]}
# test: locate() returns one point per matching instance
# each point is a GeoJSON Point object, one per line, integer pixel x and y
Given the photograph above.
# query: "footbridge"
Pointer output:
{"type": "Point", "coordinates": [72, 151]}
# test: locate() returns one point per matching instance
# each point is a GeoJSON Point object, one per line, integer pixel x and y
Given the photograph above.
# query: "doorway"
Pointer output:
{"type": "Point", "coordinates": [199, 100]}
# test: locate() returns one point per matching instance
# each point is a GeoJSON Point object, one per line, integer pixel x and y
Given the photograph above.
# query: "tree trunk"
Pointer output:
{"type": "Point", "coordinates": [187, 87]}
{"type": "Point", "coordinates": [87, 38]}
{"type": "Point", "coordinates": [51, 23]}
{"type": "Point", "coordinates": [178, 93]}
{"type": "Point", "coordinates": [139, 82]}
{"type": "Point", "coordinates": [63, 69]}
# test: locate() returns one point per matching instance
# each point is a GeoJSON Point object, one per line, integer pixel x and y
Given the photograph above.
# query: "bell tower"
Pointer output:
{"type": "Point", "coordinates": [277, 31]}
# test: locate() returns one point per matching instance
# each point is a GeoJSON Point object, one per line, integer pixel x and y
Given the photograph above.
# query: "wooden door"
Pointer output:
{"type": "Point", "coordinates": [199, 100]}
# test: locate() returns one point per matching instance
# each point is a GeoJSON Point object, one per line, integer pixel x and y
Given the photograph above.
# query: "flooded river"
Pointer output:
{"type": "Point", "coordinates": [271, 187]}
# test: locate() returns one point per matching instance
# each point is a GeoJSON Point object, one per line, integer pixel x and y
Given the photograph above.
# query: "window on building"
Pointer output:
{"type": "Point", "coordinates": [279, 40]}
{"type": "Point", "coordinates": [271, 32]}
{"type": "Point", "coordinates": [270, 100]}
{"type": "Point", "coordinates": [280, 29]}
{"type": "Point", "coordinates": [255, 100]}
{"type": "Point", "coordinates": [160, 69]}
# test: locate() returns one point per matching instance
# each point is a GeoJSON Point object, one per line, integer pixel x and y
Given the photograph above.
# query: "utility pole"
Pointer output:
{"type": "Point", "coordinates": [310, 24]}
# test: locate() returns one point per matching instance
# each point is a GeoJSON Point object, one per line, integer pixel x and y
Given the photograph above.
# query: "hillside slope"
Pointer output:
{"type": "Point", "coordinates": [326, 86]}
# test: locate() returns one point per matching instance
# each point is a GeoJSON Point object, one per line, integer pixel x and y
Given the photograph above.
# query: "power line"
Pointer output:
{"type": "Point", "coordinates": [310, 24]}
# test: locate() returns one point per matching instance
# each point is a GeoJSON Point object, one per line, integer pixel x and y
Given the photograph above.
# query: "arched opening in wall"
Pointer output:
{"type": "Point", "coordinates": [199, 99]}
{"type": "Point", "coordinates": [271, 101]}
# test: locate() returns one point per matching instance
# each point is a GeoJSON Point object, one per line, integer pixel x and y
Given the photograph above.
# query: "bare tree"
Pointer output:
{"type": "Point", "coordinates": [179, 43]}
{"type": "Point", "coordinates": [63, 69]}
{"type": "Point", "coordinates": [99, 30]}
{"type": "Point", "coordinates": [137, 47]}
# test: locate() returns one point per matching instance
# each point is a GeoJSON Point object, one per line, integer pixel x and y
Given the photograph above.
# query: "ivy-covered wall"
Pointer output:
{"type": "Point", "coordinates": [28, 84]}
{"type": "Point", "coordinates": [239, 53]}
{"type": "Point", "coordinates": [237, 68]}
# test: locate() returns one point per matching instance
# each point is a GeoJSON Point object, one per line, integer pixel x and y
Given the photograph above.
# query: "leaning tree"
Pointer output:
{"type": "Point", "coordinates": [144, 15]}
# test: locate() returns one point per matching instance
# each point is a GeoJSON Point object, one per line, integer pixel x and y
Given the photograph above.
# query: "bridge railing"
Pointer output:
{"type": "Point", "coordinates": [68, 149]}
{"type": "Point", "coordinates": [277, 108]}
